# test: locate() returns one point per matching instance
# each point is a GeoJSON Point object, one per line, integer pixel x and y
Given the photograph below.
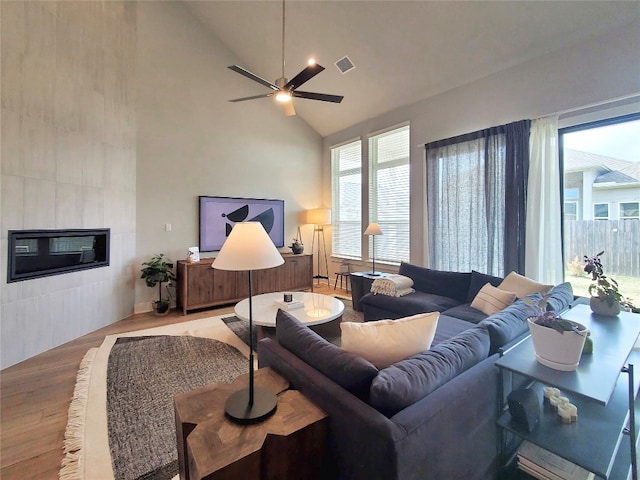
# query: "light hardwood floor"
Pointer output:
{"type": "Point", "coordinates": [35, 396]}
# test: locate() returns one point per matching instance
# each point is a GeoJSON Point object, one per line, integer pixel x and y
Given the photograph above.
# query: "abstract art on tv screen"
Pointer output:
{"type": "Point", "coordinates": [218, 215]}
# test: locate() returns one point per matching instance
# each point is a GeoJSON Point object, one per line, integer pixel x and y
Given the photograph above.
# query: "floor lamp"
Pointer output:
{"type": "Point", "coordinates": [373, 230]}
{"type": "Point", "coordinates": [249, 248]}
{"type": "Point", "coordinates": [320, 217]}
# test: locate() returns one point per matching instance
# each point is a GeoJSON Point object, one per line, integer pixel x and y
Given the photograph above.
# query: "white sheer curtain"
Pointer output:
{"type": "Point", "coordinates": [543, 257]}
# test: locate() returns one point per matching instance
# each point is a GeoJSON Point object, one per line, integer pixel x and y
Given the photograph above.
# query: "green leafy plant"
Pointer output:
{"type": "Point", "coordinates": [156, 271]}
{"type": "Point", "coordinates": [606, 289]}
{"type": "Point", "coordinates": [549, 319]}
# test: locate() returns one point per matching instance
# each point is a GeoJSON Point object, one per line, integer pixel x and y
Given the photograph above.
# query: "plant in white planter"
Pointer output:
{"type": "Point", "coordinates": [156, 271]}
{"type": "Point", "coordinates": [558, 343]}
{"type": "Point", "coordinates": [605, 296]}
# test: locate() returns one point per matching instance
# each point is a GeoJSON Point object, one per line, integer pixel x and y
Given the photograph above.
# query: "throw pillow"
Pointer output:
{"type": "Point", "coordinates": [478, 281]}
{"type": "Point", "coordinates": [522, 286]}
{"type": "Point", "coordinates": [386, 342]}
{"type": "Point", "coordinates": [490, 299]}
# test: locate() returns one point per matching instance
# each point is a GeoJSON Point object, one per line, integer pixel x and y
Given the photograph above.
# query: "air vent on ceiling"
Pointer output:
{"type": "Point", "coordinates": [345, 65]}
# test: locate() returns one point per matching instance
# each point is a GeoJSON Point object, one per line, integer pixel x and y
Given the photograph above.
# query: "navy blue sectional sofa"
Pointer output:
{"type": "Point", "coordinates": [449, 293]}
{"type": "Point", "coordinates": [430, 416]}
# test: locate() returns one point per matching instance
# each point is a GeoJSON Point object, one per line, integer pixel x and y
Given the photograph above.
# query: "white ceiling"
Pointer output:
{"type": "Point", "coordinates": [404, 51]}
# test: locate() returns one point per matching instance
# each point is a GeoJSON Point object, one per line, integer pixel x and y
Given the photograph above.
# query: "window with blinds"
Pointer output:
{"type": "Point", "coordinates": [389, 193]}
{"type": "Point", "coordinates": [346, 179]}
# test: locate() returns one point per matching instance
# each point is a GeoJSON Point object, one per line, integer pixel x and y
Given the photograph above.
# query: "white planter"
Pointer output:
{"type": "Point", "coordinates": [560, 351]}
{"type": "Point", "coordinates": [601, 307]}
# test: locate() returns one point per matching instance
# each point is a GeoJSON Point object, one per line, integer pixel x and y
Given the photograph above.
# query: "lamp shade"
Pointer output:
{"type": "Point", "coordinates": [319, 216]}
{"type": "Point", "coordinates": [248, 247]}
{"type": "Point", "coordinates": [373, 229]}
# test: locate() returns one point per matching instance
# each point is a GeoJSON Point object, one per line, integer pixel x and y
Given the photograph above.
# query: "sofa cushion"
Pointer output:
{"type": "Point", "coordinates": [406, 382]}
{"type": "Point", "coordinates": [448, 327]}
{"type": "Point", "coordinates": [560, 297]}
{"type": "Point", "coordinates": [385, 342]}
{"type": "Point", "coordinates": [411, 304]}
{"type": "Point", "coordinates": [522, 286]}
{"type": "Point", "coordinates": [447, 284]}
{"type": "Point", "coordinates": [509, 323]}
{"type": "Point", "coordinates": [491, 300]}
{"type": "Point", "coordinates": [350, 371]}
{"type": "Point", "coordinates": [467, 313]}
{"type": "Point", "coordinates": [479, 280]}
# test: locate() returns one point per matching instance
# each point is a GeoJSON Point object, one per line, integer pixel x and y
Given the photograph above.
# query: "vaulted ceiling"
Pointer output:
{"type": "Point", "coordinates": [403, 51]}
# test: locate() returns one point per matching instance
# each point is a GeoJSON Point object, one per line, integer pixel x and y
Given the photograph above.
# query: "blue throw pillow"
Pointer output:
{"type": "Point", "coordinates": [510, 323]}
{"type": "Point", "coordinates": [404, 383]}
{"type": "Point", "coordinates": [439, 282]}
{"type": "Point", "coordinates": [350, 371]}
{"type": "Point", "coordinates": [479, 280]}
{"type": "Point", "coordinates": [560, 297]}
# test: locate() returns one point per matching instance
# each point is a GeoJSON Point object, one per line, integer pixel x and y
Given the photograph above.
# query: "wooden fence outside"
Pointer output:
{"type": "Point", "coordinates": [620, 240]}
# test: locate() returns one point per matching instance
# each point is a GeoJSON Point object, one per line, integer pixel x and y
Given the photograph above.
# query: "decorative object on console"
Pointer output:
{"type": "Point", "coordinates": [194, 255]}
{"type": "Point", "coordinates": [249, 248]}
{"type": "Point", "coordinates": [156, 271]}
{"type": "Point", "coordinates": [319, 217]}
{"type": "Point", "coordinates": [557, 342]}
{"type": "Point", "coordinates": [373, 230]}
{"type": "Point", "coordinates": [524, 408]}
{"type": "Point", "coordinates": [605, 296]}
{"type": "Point", "coordinates": [297, 247]}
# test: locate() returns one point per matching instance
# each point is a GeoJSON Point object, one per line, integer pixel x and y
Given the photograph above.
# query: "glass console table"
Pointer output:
{"type": "Point", "coordinates": [603, 440]}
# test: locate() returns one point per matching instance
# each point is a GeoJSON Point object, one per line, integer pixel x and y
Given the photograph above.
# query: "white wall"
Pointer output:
{"type": "Point", "coordinates": [192, 141]}
{"type": "Point", "coordinates": [596, 71]}
{"type": "Point", "coordinates": [68, 161]}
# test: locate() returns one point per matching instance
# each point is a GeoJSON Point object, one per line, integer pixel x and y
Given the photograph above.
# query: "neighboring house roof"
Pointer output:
{"type": "Point", "coordinates": [611, 170]}
{"type": "Point", "coordinates": [614, 177]}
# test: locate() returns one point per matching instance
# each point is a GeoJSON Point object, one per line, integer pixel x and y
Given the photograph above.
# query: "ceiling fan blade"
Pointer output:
{"type": "Point", "coordinates": [264, 95]}
{"type": "Point", "coordinates": [304, 76]}
{"type": "Point", "coordinates": [323, 97]}
{"type": "Point", "coordinates": [289, 111]}
{"type": "Point", "coordinates": [252, 76]}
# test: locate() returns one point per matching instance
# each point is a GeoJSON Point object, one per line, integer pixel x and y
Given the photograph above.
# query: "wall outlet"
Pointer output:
{"type": "Point", "coordinates": [167, 227]}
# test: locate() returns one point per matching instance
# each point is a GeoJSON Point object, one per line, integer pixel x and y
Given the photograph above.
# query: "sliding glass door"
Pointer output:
{"type": "Point", "coordinates": [601, 204]}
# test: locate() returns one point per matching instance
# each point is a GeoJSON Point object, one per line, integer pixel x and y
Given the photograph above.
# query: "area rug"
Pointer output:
{"type": "Point", "coordinates": [90, 424]}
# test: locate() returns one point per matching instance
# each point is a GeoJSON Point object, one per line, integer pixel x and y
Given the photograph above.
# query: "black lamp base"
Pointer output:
{"type": "Point", "coordinates": [238, 409]}
{"type": "Point", "coordinates": [373, 274]}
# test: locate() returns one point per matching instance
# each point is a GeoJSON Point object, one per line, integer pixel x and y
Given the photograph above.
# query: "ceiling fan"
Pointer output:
{"type": "Point", "coordinates": [284, 90]}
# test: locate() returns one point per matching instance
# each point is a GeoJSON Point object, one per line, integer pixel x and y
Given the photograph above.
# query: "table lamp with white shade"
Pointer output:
{"type": "Point", "coordinates": [249, 248]}
{"type": "Point", "coordinates": [372, 230]}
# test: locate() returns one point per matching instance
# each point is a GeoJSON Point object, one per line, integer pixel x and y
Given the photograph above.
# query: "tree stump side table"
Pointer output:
{"type": "Point", "coordinates": [290, 444]}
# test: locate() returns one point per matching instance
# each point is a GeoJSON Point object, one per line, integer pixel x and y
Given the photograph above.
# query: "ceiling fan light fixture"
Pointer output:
{"type": "Point", "coordinates": [283, 96]}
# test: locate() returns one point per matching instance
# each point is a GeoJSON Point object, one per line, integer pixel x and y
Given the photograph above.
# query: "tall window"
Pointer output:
{"type": "Point", "coordinates": [346, 178]}
{"type": "Point", "coordinates": [601, 170]}
{"type": "Point", "coordinates": [389, 193]}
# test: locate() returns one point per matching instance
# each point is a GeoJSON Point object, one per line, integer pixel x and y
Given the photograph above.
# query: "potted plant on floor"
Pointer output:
{"type": "Point", "coordinates": [558, 343]}
{"type": "Point", "coordinates": [156, 271]}
{"type": "Point", "coordinates": [605, 296]}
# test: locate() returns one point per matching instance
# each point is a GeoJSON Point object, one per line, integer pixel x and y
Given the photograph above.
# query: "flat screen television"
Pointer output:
{"type": "Point", "coordinates": [218, 215]}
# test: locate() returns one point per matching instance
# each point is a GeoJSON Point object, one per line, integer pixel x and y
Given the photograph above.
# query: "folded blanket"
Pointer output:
{"type": "Point", "coordinates": [392, 285]}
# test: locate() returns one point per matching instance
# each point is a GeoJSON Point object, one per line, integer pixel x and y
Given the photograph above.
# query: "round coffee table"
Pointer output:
{"type": "Point", "coordinates": [317, 308]}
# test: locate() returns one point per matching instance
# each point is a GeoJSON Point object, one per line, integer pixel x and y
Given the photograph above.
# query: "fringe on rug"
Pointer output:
{"type": "Point", "coordinates": [73, 449]}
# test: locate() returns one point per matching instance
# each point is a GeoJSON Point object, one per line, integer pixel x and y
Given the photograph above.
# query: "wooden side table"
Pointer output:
{"type": "Point", "coordinates": [290, 444]}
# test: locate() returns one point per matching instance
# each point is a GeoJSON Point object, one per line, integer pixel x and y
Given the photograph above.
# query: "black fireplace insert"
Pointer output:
{"type": "Point", "coordinates": [41, 253]}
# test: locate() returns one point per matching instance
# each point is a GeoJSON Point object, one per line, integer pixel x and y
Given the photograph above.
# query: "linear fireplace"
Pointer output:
{"type": "Point", "coordinates": [41, 253]}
